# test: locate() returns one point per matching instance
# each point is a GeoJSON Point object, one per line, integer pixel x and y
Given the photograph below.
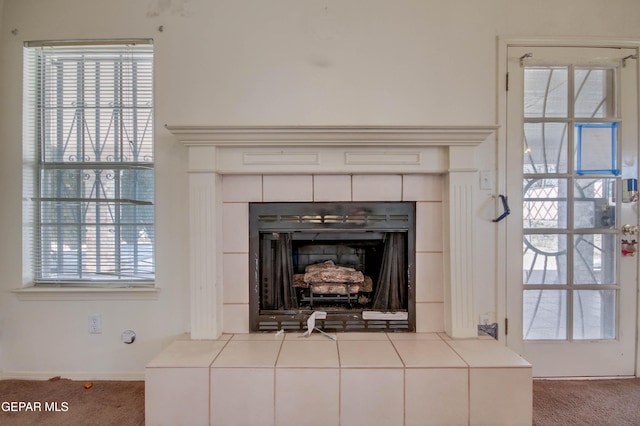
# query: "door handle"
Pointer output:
{"type": "Point", "coordinates": [506, 210]}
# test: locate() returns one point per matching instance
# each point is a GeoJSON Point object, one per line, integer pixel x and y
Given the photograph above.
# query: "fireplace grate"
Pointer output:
{"type": "Point", "coordinates": [357, 218]}
{"type": "Point", "coordinates": [304, 216]}
{"type": "Point", "coordinates": [333, 325]}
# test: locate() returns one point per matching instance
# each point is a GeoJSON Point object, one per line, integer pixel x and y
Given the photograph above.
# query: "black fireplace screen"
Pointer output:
{"type": "Point", "coordinates": [354, 261]}
{"type": "Point", "coordinates": [391, 288]}
{"type": "Point", "coordinates": [282, 287]}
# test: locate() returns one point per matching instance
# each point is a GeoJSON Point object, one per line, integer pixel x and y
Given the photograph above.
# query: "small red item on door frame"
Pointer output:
{"type": "Point", "coordinates": [629, 247]}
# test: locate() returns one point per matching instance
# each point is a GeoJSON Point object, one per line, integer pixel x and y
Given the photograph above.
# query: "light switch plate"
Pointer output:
{"type": "Point", "coordinates": [486, 180]}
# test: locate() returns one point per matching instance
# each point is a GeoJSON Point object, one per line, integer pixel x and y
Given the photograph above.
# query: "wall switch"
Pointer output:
{"type": "Point", "coordinates": [95, 324]}
{"type": "Point", "coordinates": [486, 180]}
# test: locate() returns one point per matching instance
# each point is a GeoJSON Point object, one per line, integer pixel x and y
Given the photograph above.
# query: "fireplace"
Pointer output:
{"type": "Point", "coordinates": [294, 164]}
{"type": "Point", "coordinates": [335, 173]}
{"type": "Point", "coordinates": [351, 262]}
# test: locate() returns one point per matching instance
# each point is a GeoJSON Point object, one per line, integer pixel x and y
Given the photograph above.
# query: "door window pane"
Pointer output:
{"type": "Point", "coordinates": [545, 92]}
{"type": "Point", "coordinates": [594, 314]}
{"type": "Point", "coordinates": [545, 315]}
{"type": "Point", "coordinates": [545, 203]}
{"type": "Point", "coordinates": [594, 259]}
{"type": "Point", "coordinates": [545, 148]}
{"type": "Point", "coordinates": [544, 259]}
{"type": "Point", "coordinates": [594, 90]}
{"type": "Point", "coordinates": [596, 147]}
{"type": "Point", "coordinates": [594, 203]}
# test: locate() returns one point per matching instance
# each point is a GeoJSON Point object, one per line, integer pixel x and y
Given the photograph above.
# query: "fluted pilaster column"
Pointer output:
{"type": "Point", "coordinates": [462, 182]}
{"type": "Point", "coordinates": [205, 244]}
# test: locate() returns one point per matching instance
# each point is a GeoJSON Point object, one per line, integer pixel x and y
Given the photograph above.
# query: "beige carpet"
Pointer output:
{"type": "Point", "coordinates": [77, 403]}
{"type": "Point", "coordinates": [555, 402]}
{"type": "Point", "coordinates": [586, 402]}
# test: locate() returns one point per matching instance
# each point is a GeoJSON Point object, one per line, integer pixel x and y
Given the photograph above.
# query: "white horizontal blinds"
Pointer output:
{"type": "Point", "coordinates": [94, 118]}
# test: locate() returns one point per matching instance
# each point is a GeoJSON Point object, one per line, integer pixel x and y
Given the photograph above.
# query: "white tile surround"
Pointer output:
{"type": "Point", "coordinates": [222, 375]}
{"type": "Point", "coordinates": [425, 190]}
{"type": "Point", "coordinates": [359, 379]}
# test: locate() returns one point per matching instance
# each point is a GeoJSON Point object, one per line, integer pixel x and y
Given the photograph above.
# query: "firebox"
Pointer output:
{"type": "Point", "coordinates": [353, 263]}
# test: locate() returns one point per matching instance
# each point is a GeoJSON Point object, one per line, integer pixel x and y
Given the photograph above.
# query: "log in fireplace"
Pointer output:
{"type": "Point", "coordinates": [354, 261]}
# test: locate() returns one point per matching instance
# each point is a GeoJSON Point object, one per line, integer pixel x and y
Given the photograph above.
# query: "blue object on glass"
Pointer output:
{"type": "Point", "coordinates": [632, 185]}
{"type": "Point", "coordinates": [596, 148]}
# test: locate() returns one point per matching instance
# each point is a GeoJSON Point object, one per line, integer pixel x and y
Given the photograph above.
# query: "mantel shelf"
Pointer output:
{"type": "Point", "coordinates": [279, 136]}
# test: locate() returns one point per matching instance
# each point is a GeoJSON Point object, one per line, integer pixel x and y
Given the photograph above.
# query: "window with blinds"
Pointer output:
{"type": "Point", "coordinates": [89, 181]}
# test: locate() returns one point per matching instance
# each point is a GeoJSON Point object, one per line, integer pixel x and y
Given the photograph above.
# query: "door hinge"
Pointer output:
{"type": "Point", "coordinates": [506, 326]}
{"type": "Point", "coordinates": [507, 82]}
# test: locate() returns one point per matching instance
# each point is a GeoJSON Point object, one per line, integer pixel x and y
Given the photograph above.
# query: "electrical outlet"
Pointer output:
{"type": "Point", "coordinates": [95, 324]}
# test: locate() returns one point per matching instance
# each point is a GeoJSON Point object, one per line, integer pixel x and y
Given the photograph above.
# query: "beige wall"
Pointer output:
{"type": "Point", "coordinates": [256, 62]}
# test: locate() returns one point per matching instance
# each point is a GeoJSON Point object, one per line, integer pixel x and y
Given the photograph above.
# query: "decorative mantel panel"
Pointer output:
{"type": "Point", "coordinates": [216, 151]}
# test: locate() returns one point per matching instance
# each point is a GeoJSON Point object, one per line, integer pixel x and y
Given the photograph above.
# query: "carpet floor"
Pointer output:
{"type": "Point", "coordinates": [66, 402]}
{"type": "Point", "coordinates": [586, 402]}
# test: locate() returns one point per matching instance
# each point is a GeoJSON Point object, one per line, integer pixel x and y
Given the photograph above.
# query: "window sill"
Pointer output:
{"type": "Point", "coordinates": [53, 293]}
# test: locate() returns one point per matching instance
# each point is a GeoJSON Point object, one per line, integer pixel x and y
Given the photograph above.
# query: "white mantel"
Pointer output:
{"type": "Point", "coordinates": [218, 150]}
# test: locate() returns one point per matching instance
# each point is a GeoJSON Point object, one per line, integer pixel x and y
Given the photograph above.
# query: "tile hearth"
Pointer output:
{"type": "Point", "coordinates": [221, 374]}
{"type": "Point", "coordinates": [359, 379]}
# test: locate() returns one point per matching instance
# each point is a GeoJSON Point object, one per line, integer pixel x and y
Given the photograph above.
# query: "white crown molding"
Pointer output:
{"type": "Point", "coordinates": [278, 136]}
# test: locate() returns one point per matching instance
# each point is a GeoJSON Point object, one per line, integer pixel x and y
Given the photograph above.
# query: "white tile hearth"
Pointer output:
{"type": "Point", "coordinates": [307, 396]}
{"type": "Point", "coordinates": [439, 403]}
{"type": "Point", "coordinates": [368, 354]}
{"type": "Point", "coordinates": [241, 396]}
{"type": "Point", "coordinates": [428, 353]}
{"type": "Point", "coordinates": [360, 378]}
{"type": "Point", "coordinates": [249, 353]}
{"type": "Point", "coordinates": [177, 383]}
{"type": "Point", "coordinates": [188, 354]}
{"type": "Point", "coordinates": [371, 397]}
{"type": "Point", "coordinates": [308, 353]}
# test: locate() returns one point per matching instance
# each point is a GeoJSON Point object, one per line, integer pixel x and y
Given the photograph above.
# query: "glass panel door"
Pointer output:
{"type": "Point", "coordinates": [567, 156]}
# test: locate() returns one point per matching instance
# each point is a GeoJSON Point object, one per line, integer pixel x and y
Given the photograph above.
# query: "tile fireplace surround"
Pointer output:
{"type": "Point", "coordinates": [220, 365]}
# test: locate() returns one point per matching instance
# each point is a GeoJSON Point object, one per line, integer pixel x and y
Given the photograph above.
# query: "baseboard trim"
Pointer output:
{"type": "Point", "coordinates": [73, 375]}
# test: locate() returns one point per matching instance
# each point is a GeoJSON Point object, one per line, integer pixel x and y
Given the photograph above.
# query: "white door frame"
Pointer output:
{"type": "Point", "coordinates": [503, 45]}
